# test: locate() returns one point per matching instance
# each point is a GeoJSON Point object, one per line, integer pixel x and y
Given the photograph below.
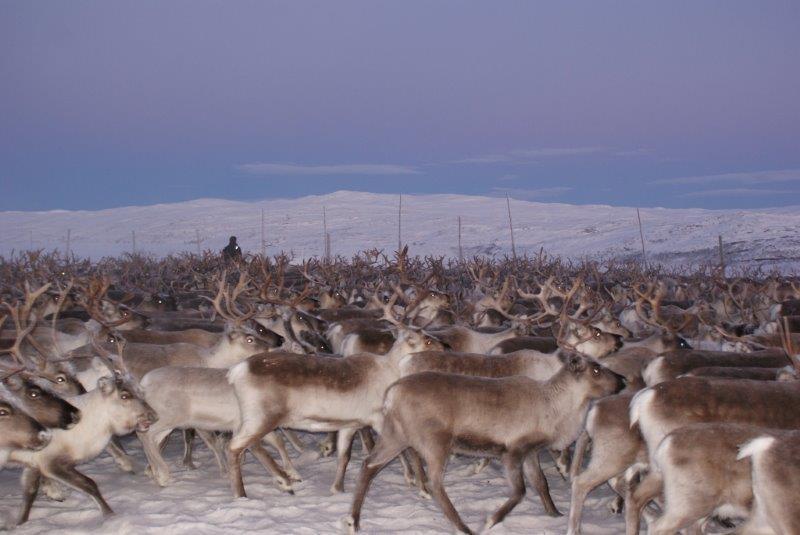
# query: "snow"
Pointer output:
{"type": "Point", "coordinates": [200, 502]}
{"type": "Point", "coordinates": [358, 221]}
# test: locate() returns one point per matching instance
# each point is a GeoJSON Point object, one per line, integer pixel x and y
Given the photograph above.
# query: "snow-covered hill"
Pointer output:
{"type": "Point", "coordinates": [358, 221]}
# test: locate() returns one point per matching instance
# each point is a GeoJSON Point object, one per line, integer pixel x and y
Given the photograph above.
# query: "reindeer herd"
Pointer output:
{"type": "Point", "coordinates": [679, 391]}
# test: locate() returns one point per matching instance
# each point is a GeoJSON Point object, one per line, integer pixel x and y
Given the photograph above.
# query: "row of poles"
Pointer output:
{"type": "Point", "coordinates": [326, 236]}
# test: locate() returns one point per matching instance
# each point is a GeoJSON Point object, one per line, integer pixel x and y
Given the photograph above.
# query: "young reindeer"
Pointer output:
{"type": "Point", "coordinates": [200, 399]}
{"type": "Point", "coordinates": [775, 469]}
{"type": "Point", "coordinates": [112, 409]}
{"type": "Point", "coordinates": [667, 406]}
{"type": "Point", "coordinates": [436, 413]}
{"type": "Point", "coordinates": [775, 475]}
{"type": "Point", "coordinates": [317, 394]}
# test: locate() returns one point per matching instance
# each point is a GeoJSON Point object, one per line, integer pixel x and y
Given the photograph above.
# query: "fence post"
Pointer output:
{"type": "Point", "coordinates": [399, 224]}
{"type": "Point", "coordinates": [721, 256]}
{"type": "Point", "coordinates": [460, 250]}
{"type": "Point", "coordinates": [511, 228]}
{"type": "Point", "coordinates": [263, 243]}
{"type": "Point", "coordinates": [641, 236]}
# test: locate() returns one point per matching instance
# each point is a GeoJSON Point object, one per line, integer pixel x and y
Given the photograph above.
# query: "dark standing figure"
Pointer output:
{"type": "Point", "coordinates": [232, 250]}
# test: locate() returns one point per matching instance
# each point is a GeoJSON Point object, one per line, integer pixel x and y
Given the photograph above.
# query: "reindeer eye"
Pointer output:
{"type": "Point", "coordinates": [249, 339]}
{"type": "Point", "coordinates": [597, 334]}
{"type": "Point", "coordinates": [33, 394]}
{"type": "Point", "coordinates": [427, 342]}
{"type": "Point", "coordinates": [60, 379]}
{"type": "Point", "coordinates": [4, 412]}
{"type": "Point", "coordinates": [596, 370]}
{"type": "Point", "coordinates": [125, 396]}
{"type": "Point", "coordinates": [125, 313]}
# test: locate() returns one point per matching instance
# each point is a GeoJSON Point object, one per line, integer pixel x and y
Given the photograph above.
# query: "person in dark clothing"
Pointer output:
{"type": "Point", "coordinates": [232, 250]}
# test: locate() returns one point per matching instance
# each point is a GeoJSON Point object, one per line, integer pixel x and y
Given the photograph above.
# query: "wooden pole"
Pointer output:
{"type": "Point", "coordinates": [460, 250]}
{"type": "Point", "coordinates": [511, 228]}
{"type": "Point", "coordinates": [197, 241]}
{"type": "Point", "coordinates": [133, 241]}
{"type": "Point", "coordinates": [328, 246]}
{"type": "Point", "coordinates": [400, 224]}
{"type": "Point", "coordinates": [69, 237]}
{"type": "Point", "coordinates": [721, 256]}
{"type": "Point", "coordinates": [263, 242]}
{"type": "Point", "coordinates": [641, 236]}
{"type": "Point", "coordinates": [325, 238]}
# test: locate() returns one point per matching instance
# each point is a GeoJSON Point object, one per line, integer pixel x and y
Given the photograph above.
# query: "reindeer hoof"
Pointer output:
{"type": "Point", "coordinates": [425, 494]}
{"type": "Point", "coordinates": [615, 505]}
{"type": "Point", "coordinates": [337, 489]}
{"type": "Point", "coordinates": [284, 485]}
{"type": "Point", "coordinates": [54, 491]}
{"type": "Point", "coordinates": [294, 475]}
{"type": "Point", "coordinates": [350, 525]}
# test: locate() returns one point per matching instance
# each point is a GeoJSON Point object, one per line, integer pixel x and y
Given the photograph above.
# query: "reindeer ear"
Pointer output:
{"type": "Point", "coordinates": [107, 385]}
{"type": "Point", "coordinates": [576, 364]}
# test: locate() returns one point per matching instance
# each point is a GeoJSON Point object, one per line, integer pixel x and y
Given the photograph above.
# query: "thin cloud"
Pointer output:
{"type": "Point", "coordinates": [738, 192]}
{"type": "Point", "coordinates": [751, 177]}
{"type": "Point", "coordinates": [341, 169]}
{"type": "Point", "coordinates": [532, 194]}
{"type": "Point", "coordinates": [543, 153]}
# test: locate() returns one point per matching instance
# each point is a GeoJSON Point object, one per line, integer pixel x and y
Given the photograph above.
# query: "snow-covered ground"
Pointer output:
{"type": "Point", "coordinates": [358, 221]}
{"type": "Point", "coordinates": [199, 502]}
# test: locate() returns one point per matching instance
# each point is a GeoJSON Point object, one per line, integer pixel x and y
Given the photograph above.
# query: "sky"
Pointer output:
{"type": "Point", "coordinates": [675, 104]}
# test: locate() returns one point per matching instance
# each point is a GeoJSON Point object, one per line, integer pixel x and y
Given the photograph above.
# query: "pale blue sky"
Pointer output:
{"type": "Point", "coordinates": [681, 103]}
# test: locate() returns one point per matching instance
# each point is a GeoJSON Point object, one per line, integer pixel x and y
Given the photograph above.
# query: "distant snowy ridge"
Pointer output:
{"type": "Point", "coordinates": [357, 221]}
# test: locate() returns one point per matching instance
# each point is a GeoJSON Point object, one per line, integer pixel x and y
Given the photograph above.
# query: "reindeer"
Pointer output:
{"type": "Point", "coordinates": [507, 417]}
{"type": "Point", "coordinates": [316, 393]}
{"type": "Point", "coordinates": [18, 430]}
{"type": "Point", "coordinates": [200, 399]}
{"type": "Point", "coordinates": [775, 472]}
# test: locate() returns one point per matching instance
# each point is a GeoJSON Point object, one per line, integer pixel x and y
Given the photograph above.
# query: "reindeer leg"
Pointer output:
{"type": "Point", "coordinates": [534, 471]}
{"type": "Point", "coordinates": [294, 440]}
{"type": "Point", "coordinates": [367, 442]}
{"type": "Point", "coordinates": [216, 445]}
{"type": "Point", "coordinates": [188, 439]}
{"type": "Point", "coordinates": [436, 459]}
{"type": "Point", "coordinates": [512, 462]}
{"type": "Point", "coordinates": [31, 477]}
{"type": "Point", "coordinates": [637, 498]}
{"type": "Point", "coordinates": [275, 440]}
{"type": "Point", "coordinates": [283, 480]}
{"type": "Point", "coordinates": [122, 459]}
{"type": "Point", "coordinates": [150, 439]}
{"type": "Point", "coordinates": [71, 477]}
{"type": "Point", "coordinates": [386, 449]}
{"type": "Point", "coordinates": [243, 439]}
{"type": "Point", "coordinates": [344, 446]}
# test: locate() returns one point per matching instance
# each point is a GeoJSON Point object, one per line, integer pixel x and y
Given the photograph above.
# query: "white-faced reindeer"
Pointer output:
{"type": "Point", "coordinates": [113, 408]}
{"type": "Point", "coordinates": [507, 417]}
{"type": "Point", "coordinates": [317, 394]}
